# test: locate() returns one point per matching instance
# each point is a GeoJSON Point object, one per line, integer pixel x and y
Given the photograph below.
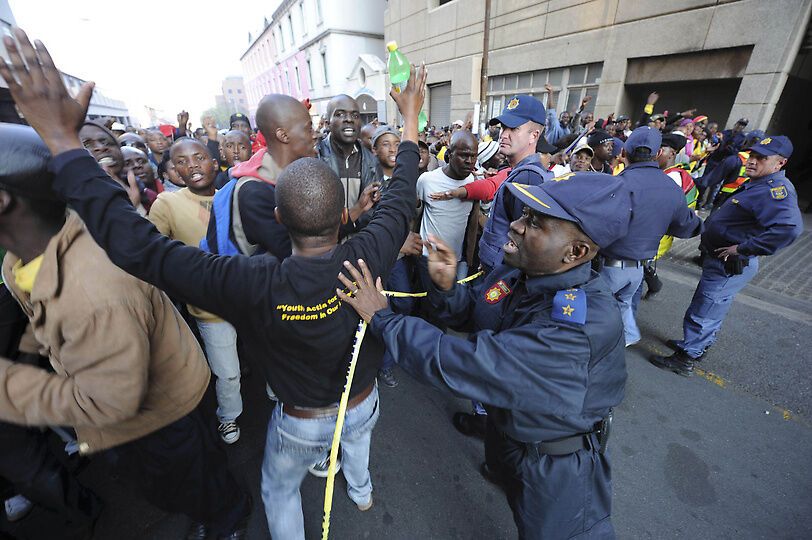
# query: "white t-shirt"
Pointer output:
{"type": "Point", "coordinates": [444, 219]}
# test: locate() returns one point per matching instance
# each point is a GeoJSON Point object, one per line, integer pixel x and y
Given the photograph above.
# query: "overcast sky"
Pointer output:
{"type": "Point", "coordinates": [168, 54]}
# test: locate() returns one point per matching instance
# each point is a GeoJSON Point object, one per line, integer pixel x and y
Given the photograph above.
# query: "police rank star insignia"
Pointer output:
{"type": "Point", "coordinates": [779, 192]}
{"type": "Point", "coordinates": [513, 104]}
{"type": "Point", "coordinates": [498, 291]}
{"type": "Point", "coordinates": [569, 306]}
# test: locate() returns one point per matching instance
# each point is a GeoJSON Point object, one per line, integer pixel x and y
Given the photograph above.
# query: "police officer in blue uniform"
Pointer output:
{"type": "Point", "coordinates": [658, 208]}
{"type": "Point", "coordinates": [545, 353]}
{"type": "Point", "coordinates": [522, 122]}
{"type": "Point", "coordinates": [759, 218]}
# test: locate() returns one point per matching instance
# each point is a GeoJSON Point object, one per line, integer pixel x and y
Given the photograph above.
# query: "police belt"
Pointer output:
{"type": "Point", "coordinates": [625, 263]}
{"type": "Point", "coordinates": [561, 447]}
{"type": "Point", "coordinates": [326, 412]}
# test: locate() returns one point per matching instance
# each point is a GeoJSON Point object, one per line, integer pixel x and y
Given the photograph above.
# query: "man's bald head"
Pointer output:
{"type": "Point", "coordinates": [287, 128]}
{"type": "Point", "coordinates": [341, 101]}
{"type": "Point", "coordinates": [279, 111]}
{"type": "Point", "coordinates": [309, 198]}
{"type": "Point", "coordinates": [462, 138]}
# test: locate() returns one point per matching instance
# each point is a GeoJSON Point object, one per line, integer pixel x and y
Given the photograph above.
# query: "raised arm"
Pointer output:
{"type": "Point", "coordinates": [380, 241]}
{"type": "Point", "coordinates": [222, 285]}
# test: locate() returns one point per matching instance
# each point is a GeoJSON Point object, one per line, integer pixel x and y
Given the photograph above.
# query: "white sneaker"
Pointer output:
{"type": "Point", "coordinates": [320, 469]}
{"type": "Point", "coordinates": [17, 508]}
{"type": "Point", "coordinates": [229, 432]}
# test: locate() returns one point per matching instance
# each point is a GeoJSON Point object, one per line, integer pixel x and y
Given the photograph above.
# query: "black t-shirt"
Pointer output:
{"type": "Point", "coordinates": [286, 313]}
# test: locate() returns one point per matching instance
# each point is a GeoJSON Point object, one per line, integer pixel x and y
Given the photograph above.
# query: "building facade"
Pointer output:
{"type": "Point", "coordinates": [233, 99]}
{"type": "Point", "coordinates": [728, 58]}
{"type": "Point", "coordinates": [311, 49]}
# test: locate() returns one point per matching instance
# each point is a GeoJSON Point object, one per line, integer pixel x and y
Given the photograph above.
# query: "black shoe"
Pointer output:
{"type": "Point", "coordinates": [673, 345]}
{"type": "Point", "coordinates": [197, 531]}
{"type": "Point", "coordinates": [679, 362]}
{"type": "Point", "coordinates": [655, 285]}
{"type": "Point", "coordinates": [387, 376]}
{"type": "Point", "coordinates": [472, 425]}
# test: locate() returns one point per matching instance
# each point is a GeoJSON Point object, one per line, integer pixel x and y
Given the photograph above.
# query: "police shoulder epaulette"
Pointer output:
{"type": "Point", "coordinates": [569, 306]}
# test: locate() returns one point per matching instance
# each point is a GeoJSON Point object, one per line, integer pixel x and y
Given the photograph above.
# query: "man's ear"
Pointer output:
{"type": "Point", "coordinates": [345, 216]}
{"type": "Point", "coordinates": [282, 135]}
{"type": "Point", "coordinates": [6, 201]}
{"type": "Point", "coordinates": [578, 251]}
{"type": "Point", "coordinates": [277, 215]}
{"type": "Point", "coordinates": [659, 153]}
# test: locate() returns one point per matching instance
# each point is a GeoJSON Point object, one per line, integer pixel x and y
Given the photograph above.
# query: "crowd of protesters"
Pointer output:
{"type": "Point", "coordinates": [230, 239]}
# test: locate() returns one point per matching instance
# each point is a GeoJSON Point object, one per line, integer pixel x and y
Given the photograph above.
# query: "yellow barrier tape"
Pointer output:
{"type": "Point", "coordinates": [342, 410]}
{"type": "Point", "coordinates": [398, 294]}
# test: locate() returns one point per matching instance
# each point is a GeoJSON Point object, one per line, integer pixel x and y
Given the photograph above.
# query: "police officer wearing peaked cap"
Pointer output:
{"type": "Point", "coordinates": [522, 122]}
{"type": "Point", "coordinates": [546, 352]}
{"type": "Point", "coordinates": [658, 208]}
{"type": "Point", "coordinates": [760, 218]}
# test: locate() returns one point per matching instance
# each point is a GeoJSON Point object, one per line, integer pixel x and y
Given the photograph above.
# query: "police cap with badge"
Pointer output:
{"type": "Point", "coordinates": [520, 110]}
{"type": "Point", "coordinates": [779, 145]}
{"type": "Point", "coordinates": [598, 203]}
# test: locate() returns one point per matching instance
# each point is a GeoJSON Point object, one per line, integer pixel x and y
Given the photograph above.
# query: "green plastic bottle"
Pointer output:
{"type": "Point", "coordinates": [422, 120]}
{"type": "Point", "coordinates": [398, 67]}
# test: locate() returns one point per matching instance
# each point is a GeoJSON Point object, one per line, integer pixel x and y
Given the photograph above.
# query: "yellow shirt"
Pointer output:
{"type": "Point", "coordinates": [26, 274]}
{"type": "Point", "coordinates": [441, 154]}
{"type": "Point", "coordinates": [184, 216]}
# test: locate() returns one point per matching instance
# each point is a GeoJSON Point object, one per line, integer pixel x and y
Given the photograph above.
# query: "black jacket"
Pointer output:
{"type": "Point", "coordinates": [286, 313]}
{"type": "Point", "coordinates": [369, 174]}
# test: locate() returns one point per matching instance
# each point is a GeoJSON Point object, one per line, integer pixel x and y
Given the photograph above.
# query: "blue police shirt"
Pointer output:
{"type": "Point", "coordinates": [546, 355]}
{"type": "Point", "coordinates": [506, 209]}
{"type": "Point", "coordinates": [658, 208]}
{"type": "Point", "coordinates": [761, 217]}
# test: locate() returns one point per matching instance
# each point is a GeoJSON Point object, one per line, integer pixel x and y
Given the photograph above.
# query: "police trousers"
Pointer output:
{"type": "Point", "coordinates": [553, 497]}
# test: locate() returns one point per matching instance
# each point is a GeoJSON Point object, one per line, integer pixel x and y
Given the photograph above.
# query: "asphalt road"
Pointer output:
{"type": "Point", "coordinates": [724, 455]}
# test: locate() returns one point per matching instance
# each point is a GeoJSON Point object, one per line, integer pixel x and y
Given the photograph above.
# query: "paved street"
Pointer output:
{"type": "Point", "coordinates": [724, 455]}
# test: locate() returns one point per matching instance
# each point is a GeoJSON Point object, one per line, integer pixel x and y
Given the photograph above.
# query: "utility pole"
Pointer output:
{"type": "Point", "coordinates": [483, 82]}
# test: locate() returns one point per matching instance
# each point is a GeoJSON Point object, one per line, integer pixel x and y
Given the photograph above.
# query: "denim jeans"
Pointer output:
{"type": "Point", "coordinates": [712, 300]}
{"type": "Point", "coordinates": [220, 339]}
{"type": "Point", "coordinates": [294, 444]}
{"type": "Point", "coordinates": [623, 283]}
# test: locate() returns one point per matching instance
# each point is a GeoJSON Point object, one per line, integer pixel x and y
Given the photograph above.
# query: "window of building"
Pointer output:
{"type": "Point", "coordinates": [287, 82]}
{"type": "Point", "coordinates": [319, 16]}
{"type": "Point", "coordinates": [324, 67]}
{"type": "Point", "coordinates": [309, 75]}
{"type": "Point", "coordinates": [230, 91]}
{"type": "Point", "coordinates": [298, 81]}
{"type": "Point", "coordinates": [290, 29]}
{"type": "Point", "coordinates": [570, 86]}
{"type": "Point", "coordinates": [239, 91]}
{"type": "Point", "coordinates": [302, 18]}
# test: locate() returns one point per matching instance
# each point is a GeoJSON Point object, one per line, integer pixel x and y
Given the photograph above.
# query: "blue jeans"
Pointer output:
{"type": "Point", "coordinates": [220, 339]}
{"type": "Point", "coordinates": [294, 444]}
{"type": "Point", "coordinates": [399, 280]}
{"type": "Point", "coordinates": [712, 300]}
{"type": "Point", "coordinates": [623, 283]}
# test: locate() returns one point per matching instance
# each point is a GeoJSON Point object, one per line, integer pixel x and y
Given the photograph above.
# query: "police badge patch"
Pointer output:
{"type": "Point", "coordinates": [513, 104]}
{"type": "Point", "coordinates": [498, 291]}
{"type": "Point", "coordinates": [778, 193]}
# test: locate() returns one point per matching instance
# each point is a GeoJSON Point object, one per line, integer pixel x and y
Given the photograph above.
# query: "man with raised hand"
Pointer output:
{"type": "Point", "coordinates": [285, 312]}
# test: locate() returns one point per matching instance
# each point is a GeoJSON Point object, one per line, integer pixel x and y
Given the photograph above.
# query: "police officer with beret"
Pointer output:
{"type": "Point", "coordinates": [658, 208]}
{"type": "Point", "coordinates": [546, 352]}
{"type": "Point", "coordinates": [760, 218]}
